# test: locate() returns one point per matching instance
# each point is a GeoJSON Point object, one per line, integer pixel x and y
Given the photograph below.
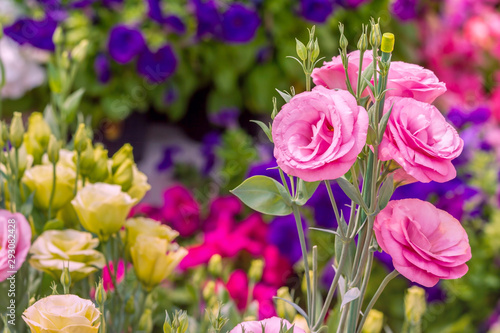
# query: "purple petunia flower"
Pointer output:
{"type": "Point", "coordinates": [283, 233]}
{"type": "Point", "coordinates": [157, 66]}
{"type": "Point", "coordinates": [33, 32]}
{"type": "Point", "coordinates": [125, 43]}
{"type": "Point", "coordinates": [111, 3]}
{"type": "Point", "coordinates": [78, 4]}
{"type": "Point", "coordinates": [154, 11]}
{"type": "Point", "coordinates": [167, 160]}
{"type": "Point", "coordinates": [239, 24]}
{"type": "Point", "coordinates": [102, 68]}
{"type": "Point", "coordinates": [227, 117]}
{"type": "Point", "coordinates": [208, 145]}
{"type": "Point", "coordinates": [175, 23]}
{"type": "Point", "coordinates": [405, 10]}
{"type": "Point", "coordinates": [207, 16]}
{"type": "Point", "coordinates": [316, 10]}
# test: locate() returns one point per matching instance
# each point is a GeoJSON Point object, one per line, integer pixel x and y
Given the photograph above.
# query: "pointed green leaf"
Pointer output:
{"type": "Point", "coordinates": [285, 95]}
{"type": "Point", "coordinates": [53, 225]}
{"type": "Point", "coordinates": [366, 77]}
{"type": "Point", "coordinates": [351, 192]}
{"type": "Point", "coordinates": [27, 206]}
{"type": "Point", "coordinates": [50, 117]}
{"type": "Point", "coordinates": [295, 306]}
{"type": "Point", "coordinates": [383, 123]}
{"type": "Point", "coordinates": [328, 231]}
{"type": "Point", "coordinates": [265, 128]}
{"type": "Point", "coordinates": [305, 190]}
{"type": "Point", "coordinates": [386, 192]}
{"type": "Point", "coordinates": [264, 195]}
{"type": "Point", "coordinates": [71, 104]}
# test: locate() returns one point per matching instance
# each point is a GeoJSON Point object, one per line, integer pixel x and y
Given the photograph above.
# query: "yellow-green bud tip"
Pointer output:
{"type": "Point", "coordinates": [387, 42]}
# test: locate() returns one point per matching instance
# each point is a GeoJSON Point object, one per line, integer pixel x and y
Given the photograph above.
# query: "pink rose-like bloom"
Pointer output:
{"type": "Point", "coordinates": [272, 325]}
{"type": "Point", "coordinates": [404, 80]}
{"type": "Point", "coordinates": [426, 244]}
{"type": "Point", "coordinates": [13, 236]}
{"type": "Point", "coordinates": [420, 140]}
{"type": "Point", "coordinates": [319, 134]}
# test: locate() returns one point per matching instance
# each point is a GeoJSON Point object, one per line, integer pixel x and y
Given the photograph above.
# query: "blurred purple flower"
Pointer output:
{"type": "Point", "coordinates": [170, 96]}
{"type": "Point", "coordinates": [102, 68]}
{"type": "Point", "coordinates": [239, 24]}
{"type": "Point", "coordinates": [350, 3]}
{"type": "Point", "coordinates": [323, 211]}
{"type": "Point", "coordinates": [264, 54]}
{"type": "Point", "coordinates": [175, 23]}
{"type": "Point", "coordinates": [154, 10]}
{"type": "Point", "coordinates": [167, 160]}
{"type": "Point", "coordinates": [227, 117]}
{"type": "Point", "coordinates": [125, 43]}
{"type": "Point", "coordinates": [79, 4]}
{"type": "Point", "coordinates": [405, 10]}
{"type": "Point", "coordinates": [208, 145]}
{"type": "Point", "coordinates": [111, 3]}
{"type": "Point", "coordinates": [460, 118]}
{"type": "Point", "coordinates": [207, 16]}
{"type": "Point", "coordinates": [316, 10]}
{"type": "Point", "coordinates": [385, 259]}
{"type": "Point", "coordinates": [33, 32]}
{"type": "Point", "coordinates": [157, 66]}
{"type": "Point", "coordinates": [283, 233]}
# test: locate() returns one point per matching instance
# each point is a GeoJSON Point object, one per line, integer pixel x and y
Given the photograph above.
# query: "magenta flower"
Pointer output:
{"type": "Point", "coordinates": [180, 210]}
{"type": "Point", "coordinates": [15, 240]}
{"type": "Point", "coordinates": [319, 134]}
{"type": "Point", "coordinates": [107, 281]}
{"type": "Point", "coordinates": [426, 244]}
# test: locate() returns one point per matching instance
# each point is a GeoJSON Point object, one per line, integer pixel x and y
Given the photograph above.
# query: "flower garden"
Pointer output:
{"type": "Point", "coordinates": [284, 166]}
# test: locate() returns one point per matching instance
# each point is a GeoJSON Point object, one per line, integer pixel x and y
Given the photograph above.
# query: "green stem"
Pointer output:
{"type": "Point", "coordinates": [53, 191]}
{"type": "Point", "coordinates": [360, 70]}
{"type": "Point", "coordinates": [334, 205]}
{"type": "Point", "coordinates": [283, 180]}
{"type": "Point", "coordinates": [77, 173]}
{"type": "Point", "coordinates": [308, 81]}
{"type": "Point", "coordinates": [298, 221]}
{"type": "Point", "coordinates": [375, 297]}
{"type": "Point", "coordinates": [314, 282]}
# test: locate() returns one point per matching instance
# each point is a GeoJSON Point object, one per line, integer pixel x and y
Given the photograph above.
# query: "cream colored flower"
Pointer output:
{"type": "Point", "coordinates": [39, 179]}
{"type": "Point", "coordinates": [55, 249]}
{"type": "Point", "coordinates": [66, 158]}
{"type": "Point", "coordinates": [63, 314]}
{"type": "Point", "coordinates": [140, 185]}
{"type": "Point", "coordinates": [102, 208]}
{"type": "Point", "coordinates": [154, 259]}
{"type": "Point", "coordinates": [145, 226]}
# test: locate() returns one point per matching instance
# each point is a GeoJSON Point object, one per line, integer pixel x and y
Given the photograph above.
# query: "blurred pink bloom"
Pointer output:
{"type": "Point", "coordinates": [426, 244]}
{"type": "Point", "coordinates": [107, 281]}
{"type": "Point", "coordinates": [15, 239]}
{"type": "Point", "coordinates": [180, 210]}
{"type": "Point", "coordinates": [277, 267]}
{"type": "Point", "coordinates": [420, 140]}
{"type": "Point", "coordinates": [146, 210]}
{"type": "Point", "coordinates": [272, 325]}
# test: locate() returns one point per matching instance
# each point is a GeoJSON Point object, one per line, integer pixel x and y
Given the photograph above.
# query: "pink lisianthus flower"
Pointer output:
{"type": "Point", "coordinates": [319, 134]}
{"type": "Point", "coordinates": [404, 79]}
{"type": "Point", "coordinates": [15, 239]}
{"type": "Point", "coordinates": [420, 140]}
{"type": "Point", "coordinates": [271, 325]}
{"type": "Point", "coordinates": [426, 244]}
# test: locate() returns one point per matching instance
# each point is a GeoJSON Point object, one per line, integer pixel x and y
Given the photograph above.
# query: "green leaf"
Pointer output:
{"type": "Point", "coordinates": [371, 136]}
{"type": "Point", "coordinates": [386, 192]}
{"type": "Point", "coordinates": [27, 206]}
{"type": "Point", "coordinates": [328, 231]}
{"type": "Point", "coordinates": [305, 190]}
{"type": "Point", "coordinates": [350, 296]}
{"type": "Point", "coordinates": [71, 104]}
{"type": "Point", "coordinates": [383, 123]}
{"type": "Point", "coordinates": [50, 117]}
{"type": "Point", "coordinates": [265, 128]}
{"type": "Point", "coordinates": [351, 192]}
{"type": "Point", "coordinates": [286, 96]}
{"type": "Point", "coordinates": [55, 78]}
{"type": "Point", "coordinates": [366, 77]}
{"type": "Point", "coordinates": [295, 306]}
{"type": "Point", "coordinates": [53, 225]}
{"type": "Point", "coordinates": [264, 195]}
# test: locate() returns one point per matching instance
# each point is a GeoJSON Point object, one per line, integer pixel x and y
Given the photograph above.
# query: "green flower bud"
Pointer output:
{"type": "Point", "coordinates": [124, 153]}
{"type": "Point", "coordinates": [53, 149]}
{"type": "Point", "coordinates": [275, 108]}
{"type": "Point", "coordinates": [100, 171]}
{"type": "Point", "coordinates": [215, 265]}
{"type": "Point", "coordinates": [130, 305]}
{"type": "Point", "coordinates": [39, 129]}
{"type": "Point", "coordinates": [65, 279]}
{"type": "Point", "coordinates": [315, 51]}
{"type": "Point", "coordinates": [343, 42]}
{"type": "Point", "coordinates": [16, 130]}
{"type": "Point", "coordinates": [22, 160]}
{"type": "Point", "coordinates": [167, 325]}
{"type": "Point", "coordinates": [301, 49]}
{"type": "Point", "coordinates": [80, 51]}
{"type": "Point", "coordinates": [209, 290]}
{"type": "Point", "coordinates": [415, 305]}
{"type": "Point", "coordinates": [375, 34]}
{"type": "Point", "coordinates": [87, 161]}
{"type": "Point", "coordinates": [255, 271]}
{"type": "Point", "coordinates": [283, 309]}
{"type": "Point", "coordinates": [57, 37]}
{"type": "Point", "coordinates": [100, 294]}
{"type": "Point", "coordinates": [146, 321]}
{"type": "Point", "coordinates": [33, 147]}
{"type": "Point", "coordinates": [124, 175]}
{"type": "Point", "coordinates": [363, 40]}
{"type": "Point", "coordinates": [374, 322]}
{"type": "Point", "coordinates": [81, 138]}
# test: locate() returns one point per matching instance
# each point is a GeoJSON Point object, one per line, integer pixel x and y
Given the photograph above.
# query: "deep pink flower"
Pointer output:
{"type": "Point", "coordinates": [426, 244]}
{"type": "Point", "coordinates": [237, 286]}
{"type": "Point", "coordinates": [272, 325]}
{"type": "Point", "coordinates": [404, 80]}
{"type": "Point", "coordinates": [15, 239]}
{"type": "Point", "coordinates": [277, 268]}
{"type": "Point", "coordinates": [107, 281]}
{"type": "Point", "coordinates": [319, 134]}
{"type": "Point", "coordinates": [420, 140]}
{"type": "Point", "coordinates": [146, 210]}
{"type": "Point", "coordinates": [180, 210]}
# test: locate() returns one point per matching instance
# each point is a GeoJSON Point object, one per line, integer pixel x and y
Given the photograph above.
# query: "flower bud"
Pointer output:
{"type": "Point", "coordinates": [387, 42]}
{"type": "Point", "coordinates": [130, 305]}
{"type": "Point", "coordinates": [16, 130]}
{"type": "Point", "coordinates": [80, 51]}
{"type": "Point", "coordinates": [315, 51]}
{"type": "Point", "coordinates": [415, 304]}
{"type": "Point", "coordinates": [283, 309]}
{"type": "Point", "coordinates": [215, 265]}
{"type": "Point", "coordinates": [301, 49]}
{"type": "Point", "coordinates": [53, 149]}
{"type": "Point", "coordinates": [22, 160]}
{"type": "Point", "coordinates": [255, 271]}
{"type": "Point", "coordinates": [81, 137]}
{"type": "Point", "coordinates": [124, 175]}
{"type": "Point", "coordinates": [57, 37]}
{"type": "Point", "coordinates": [87, 161]}
{"type": "Point", "coordinates": [304, 282]}
{"type": "Point", "coordinates": [39, 128]}
{"type": "Point", "coordinates": [100, 171]}
{"type": "Point", "coordinates": [343, 42]}
{"type": "Point", "coordinates": [374, 322]}
{"type": "Point", "coordinates": [179, 324]}
{"type": "Point", "coordinates": [146, 321]}
{"type": "Point", "coordinates": [363, 40]}
{"type": "Point", "coordinates": [100, 294]}
{"type": "Point", "coordinates": [33, 147]}
{"type": "Point", "coordinates": [209, 290]}
{"type": "Point", "coordinates": [375, 34]}
{"type": "Point", "coordinates": [124, 153]}
{"type": "Point", "coordinates": [66, 279]}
